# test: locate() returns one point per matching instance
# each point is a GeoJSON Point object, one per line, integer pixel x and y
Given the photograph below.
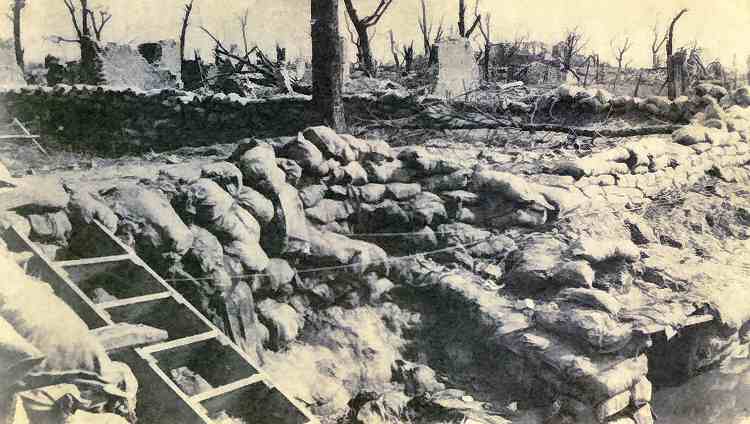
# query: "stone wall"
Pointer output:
{"type": "Point", "coordinates": [113, 121]}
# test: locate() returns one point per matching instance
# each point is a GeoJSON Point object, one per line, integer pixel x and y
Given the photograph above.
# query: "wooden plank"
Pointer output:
{"type": "Point", "coordinates": [148, 350]}
{"type": "Point", "coordinates": [30, 136]}
{"type": "Point", "coordinates": [45, 270]}
{"type": "Point", "coordinates": [97, 260]}
{"type": "Point", "coordinates": [218, 391]}
{"type": "Point", "coordinates": [133, 300]}
{"type": "Point", "coordinates": [17, 137]}
{"type": "Point", "coordinates": [214, 333]}
{"type": "Point", "coordinates": [123, 335]}
{"type": "Point", "coordinates": [201, 412]}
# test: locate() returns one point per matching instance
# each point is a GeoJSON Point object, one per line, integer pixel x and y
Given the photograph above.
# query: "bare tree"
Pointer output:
{"type": "Point", "coordinates": [462, 31]}
{"type": "Point", "coordinates": [619, 48]}
{"type": "Point", "coordinates": [83, 26]}
{"type": "Point", "coordinates": [243, 28]}
{"type": "Point", "coordinates": [408, 52]}
{"type": "Point", "coordinates": [426, 30]}
{"type": "Point", "coordinates": [104, 17]}
{"type": "Point", "coordinates": [15, 17]}
{"type": "Point", "coordinates": [671, 68]}
{"type": "Point", "coordinates": [183, 33]}
{"type": "Point", "coordinates": [484, 28]}
{"type": "Point", "coordinates": [394, 50]}
{"type": "Point", "coordinates": [657, 41]}
{"type": "Point", "coordinates": [361, 26]}
{"type": "Point", "coordinates": [571, 46]}
{"type": "Point", "coordinates": [327, 62]}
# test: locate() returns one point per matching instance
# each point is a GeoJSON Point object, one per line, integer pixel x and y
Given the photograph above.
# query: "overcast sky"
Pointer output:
{"type": "Point", "coordinates": [720, 26]}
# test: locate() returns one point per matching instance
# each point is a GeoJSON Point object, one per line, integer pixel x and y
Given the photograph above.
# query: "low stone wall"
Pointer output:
{"type": "Point", "coordinates": [113, 121]}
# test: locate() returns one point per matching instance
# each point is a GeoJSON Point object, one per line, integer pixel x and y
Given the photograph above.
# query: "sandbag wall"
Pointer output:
{"type": "Point", "coordinates": [597, 100]}
{"type": "Point", "coordinates": [119, 121]}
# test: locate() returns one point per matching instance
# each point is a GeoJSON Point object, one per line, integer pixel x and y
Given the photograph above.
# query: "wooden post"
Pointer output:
{"type": "Point", "coordinates": [638, 84]}
{"type": "Point", "coordinates": [327, 62]}
{"type": "Point", "coordinates": [586, 75]}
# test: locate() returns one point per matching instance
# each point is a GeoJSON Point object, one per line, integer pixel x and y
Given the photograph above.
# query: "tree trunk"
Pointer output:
{"type": "Point", "coordinates": [486, 62]}
{"type": "Point", "coordinates": [327, 62]}
{"type": "Point", "coordinates": [17, 8]}
{"type": "Point", "coordinates": [462, 18]}
{"type": "Point", "coordinates": [394, 52]}
{"type": "Point", "coordinates": [586, 75]}
{"type": "Point", "coordinates": [183, 37]}
{"type": "Point", "coordinates": [365, 51]}
{"type": "Point", "coordinates": [671, 80]}
{"type": "Point", "coordinates": [433, 55]}
{"type": "Point", "coordinates": [89, 68]}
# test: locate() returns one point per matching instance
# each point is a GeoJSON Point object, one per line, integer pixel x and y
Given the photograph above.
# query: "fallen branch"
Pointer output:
{"type": "Point", "coordinates": [465, 124]}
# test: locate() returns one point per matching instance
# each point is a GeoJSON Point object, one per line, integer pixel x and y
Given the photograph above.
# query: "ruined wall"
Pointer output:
{"type": "Point", "coordinates": [126, 120]}
{"type": "Point", "coordinates": [10, 73]}
{"type": "Point", "coordinates": [123, 66]}
{"type": "Point", "coordinates": [459, 72]}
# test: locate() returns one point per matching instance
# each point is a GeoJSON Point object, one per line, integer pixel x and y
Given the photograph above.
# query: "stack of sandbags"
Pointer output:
{"type": "Point", "coordinates": [613, 387]}
{"type": "Point", "coordinates": [148, 222]}
{"type": "Point", "coordinates": [608, 162]}
{"type": "Point", "coordinates": [237, 230]}
{"type": "Point", "coordinates": [659, 106]}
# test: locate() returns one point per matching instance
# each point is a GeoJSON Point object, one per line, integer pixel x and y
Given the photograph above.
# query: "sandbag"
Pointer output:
{"type": "Point", "coordinates": [306, 154]}
{"type": "Point", "coordinates": [426, 163]}
{"type": "Point", "coordinates": [454, 181]}
{"type": "Point", "coordinates": [509, 186]}
{"type": "Point", "coordinates": [207, 257]}
{"type": "Point", "coordinates": [387, 214]}
{"type": "Point", "coordinates": [335, 249]}
{"type": "Point", "coordinates": [426, 208]}
{"type": "Point", "coordinates": [595, 328]}
{"type": "Point", "coordinates": [50, 227]}
{"type": "Point", "coordinates": [403, 191]}
{"type": "Point", "coordinates": [330, 144]}
{"type": "Point", "coordinates": [224, 174]}
{"type": "Point", "coordinates": [328, 210]}
{"type": "Point", "coordinates": [259, 169]}
{"type": "Point", "coordinates": [282, 321]}
{"type": "Point", "coordinates": [389, 172]}
{"type": "Point", "coordinates": [596, 251]}
{"type": "Point", "coordinates": [17, 356]}
{"type": "Point", "coordinates": [313, 194]}
{"type": "Point", "coordinates": [149, 220]}
{"type": "Point", "coordinates": [536, 261]}
{"type": "Point", "coordinates": [49, 324]}
{"type": "Point", "coordinates": [291, 169]}
{"type": "Point", "coordinates": [690, 135]}
{"type": "Point", "coordinates": [257, 204]}
{"type": "Point", "coordinates": [83, 208]}
{"type": "Point", "coordinates": [592, 298]}
{"type": "Point", "coordinates": [288, 232]}
{"type": "Point", "coordinates": [235, 228]}
{"type": "Point", "coordinates": [371, 193]}
{"type": "Point", "coordinates": [35, 196]}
